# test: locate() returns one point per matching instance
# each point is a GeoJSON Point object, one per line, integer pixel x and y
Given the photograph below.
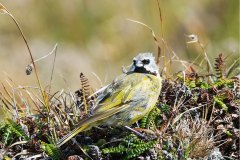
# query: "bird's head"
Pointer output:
{"type": "Point", "coordinates": [144, 63]}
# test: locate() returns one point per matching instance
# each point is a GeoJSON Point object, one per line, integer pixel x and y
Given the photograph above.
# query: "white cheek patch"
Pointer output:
{"type": "Point", "coordinates": [139, 65]}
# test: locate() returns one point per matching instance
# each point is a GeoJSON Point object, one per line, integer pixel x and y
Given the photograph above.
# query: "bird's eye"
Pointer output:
{"type": "Point", "coordinates": [134, 62]}
{"type": "Point", "coordinates": [146, 61]}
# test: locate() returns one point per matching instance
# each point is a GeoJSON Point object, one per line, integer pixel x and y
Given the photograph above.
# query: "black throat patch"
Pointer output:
{"type": "Point", "coordinates": [142, 70]}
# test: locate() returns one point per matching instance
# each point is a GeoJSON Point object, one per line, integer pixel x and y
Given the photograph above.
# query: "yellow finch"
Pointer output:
{"type": "Point", "coordinates": [127, 99]}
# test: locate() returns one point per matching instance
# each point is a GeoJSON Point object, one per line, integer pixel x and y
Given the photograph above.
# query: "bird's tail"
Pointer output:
{"type": "Point", "coordinates": [71, 134]}
{"type": "Point", "coordinates": [90, 122]}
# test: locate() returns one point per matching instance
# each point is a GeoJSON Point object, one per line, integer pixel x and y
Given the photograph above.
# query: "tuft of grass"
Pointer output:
{"type": "Point", "coordinates": [196, 138]}
{"type": "Point", "coordinates": [197, 111]}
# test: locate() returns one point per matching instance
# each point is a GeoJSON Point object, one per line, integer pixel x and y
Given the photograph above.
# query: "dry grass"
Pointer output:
{"type": "Point", "coordinates": [197, 111]}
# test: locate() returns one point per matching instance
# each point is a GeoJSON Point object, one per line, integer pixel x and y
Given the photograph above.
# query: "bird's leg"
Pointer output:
{"type": "Point", "coordinates": [135, 132]}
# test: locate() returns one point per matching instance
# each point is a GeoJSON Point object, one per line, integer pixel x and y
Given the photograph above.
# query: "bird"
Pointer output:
{"type": "Point", "coordinates": [126, 100]}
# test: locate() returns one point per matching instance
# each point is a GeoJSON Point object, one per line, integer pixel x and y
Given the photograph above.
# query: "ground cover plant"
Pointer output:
{"type": "Point", "coordinates": [196, 117]}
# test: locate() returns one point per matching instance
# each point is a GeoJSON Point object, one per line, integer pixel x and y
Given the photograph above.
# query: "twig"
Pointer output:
{"type": "Point", "coordinates": [135, 132]}
{"type": "Point", "coordinates": [161, 29]}
{"type": "Point", "coordinates": [55, 55]}
{"type": "Point", "coordinates": [154, 37]}
{"type": "Point", "coordinates": [101, 84]}
{"type": "Point", "coordinates": [79, 146]}
{"type": "Point", "coordinates": [3, 10]}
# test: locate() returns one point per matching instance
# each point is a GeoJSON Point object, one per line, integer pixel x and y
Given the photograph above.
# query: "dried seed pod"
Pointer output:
{"type": "Point", "coordinates": [29, 69]}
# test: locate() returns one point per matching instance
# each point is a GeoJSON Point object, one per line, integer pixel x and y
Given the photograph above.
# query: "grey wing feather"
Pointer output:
{"type": "Point", "coordinates": [106, 91]}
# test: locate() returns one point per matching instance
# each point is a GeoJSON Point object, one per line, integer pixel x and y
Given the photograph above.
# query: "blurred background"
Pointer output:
{"type": "Point", "coordinates": [95, 37]}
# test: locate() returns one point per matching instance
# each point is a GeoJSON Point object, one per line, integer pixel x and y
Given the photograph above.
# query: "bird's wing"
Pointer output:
{"type": "Point", "coordinates": [120, 92]}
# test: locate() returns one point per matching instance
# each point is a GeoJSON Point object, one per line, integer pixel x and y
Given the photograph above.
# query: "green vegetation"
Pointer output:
{"type": "Point", "coordinates": [197, 113]}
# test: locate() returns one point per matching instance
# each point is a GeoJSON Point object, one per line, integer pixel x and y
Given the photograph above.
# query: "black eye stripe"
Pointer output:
{"type": "Point", "coordinates": [146, 61]}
